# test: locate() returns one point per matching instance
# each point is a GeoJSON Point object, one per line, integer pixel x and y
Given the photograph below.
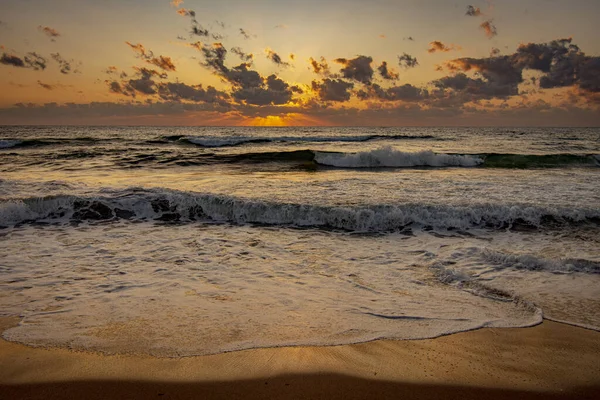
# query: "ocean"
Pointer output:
{"type": "Point", "coordinates": [180, 241]}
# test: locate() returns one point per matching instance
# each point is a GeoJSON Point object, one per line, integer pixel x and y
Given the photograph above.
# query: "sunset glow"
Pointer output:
{"type": "Point", "coordinates": [259, 63]}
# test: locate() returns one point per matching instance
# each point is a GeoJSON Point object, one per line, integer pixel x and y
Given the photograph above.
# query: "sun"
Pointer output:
{"type": "Point", "coordinates": [269, 120]}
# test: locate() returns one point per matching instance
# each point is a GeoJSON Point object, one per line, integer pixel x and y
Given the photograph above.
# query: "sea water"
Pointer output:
{"type": "Point", "coordinates": [178, 241]}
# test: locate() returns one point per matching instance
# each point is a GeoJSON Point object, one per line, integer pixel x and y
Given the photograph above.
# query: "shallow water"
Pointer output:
{"type": "Point", "coordinates": [147, 240]}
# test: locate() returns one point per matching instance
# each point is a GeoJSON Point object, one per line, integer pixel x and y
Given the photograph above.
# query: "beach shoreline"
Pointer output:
{"type": "Point", "coordinates": [550, 360]}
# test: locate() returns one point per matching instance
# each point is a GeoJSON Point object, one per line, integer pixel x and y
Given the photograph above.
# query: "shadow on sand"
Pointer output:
{"type": "Point", "coordinates": [309, 386]}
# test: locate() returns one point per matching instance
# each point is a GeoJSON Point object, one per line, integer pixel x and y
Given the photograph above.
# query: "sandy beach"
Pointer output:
{"type": "Point", "coordinates": [548, 361]}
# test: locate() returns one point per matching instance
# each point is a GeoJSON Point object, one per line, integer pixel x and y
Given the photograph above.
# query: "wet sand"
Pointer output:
{"type": "Point", "coordinates": [549, 361]}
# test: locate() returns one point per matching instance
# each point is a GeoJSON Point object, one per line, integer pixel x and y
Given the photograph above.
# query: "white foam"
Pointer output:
{"type": "Point", "coordinates": [389, 157]}
{"type": "Point", "coordinates": [239, 210]}
{"type": "Point", "coordinates": [536, 263]}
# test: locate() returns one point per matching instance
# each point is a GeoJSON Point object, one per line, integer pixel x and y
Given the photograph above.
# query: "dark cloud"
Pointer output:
{"type": "Point", "coordinates": [274, 91]}
{"type": "Point", "coordinates": [410, 38]}
{"type": "Point", "coordinates": [358, 69]}
{"type": "Point", "coordinates": [476, 88]}
{"type": "Point", "coordinates": [50, 32]}
{"type": "Point", "coordinates": [319, 67]}
{"type": "Point", "coordinates": [473, 11]}
{"type": "Point", "coordinates": [46, 86]}
{"type": "Point", "coordinates": [246, 57]}
{"type": "Point", "coordinates": [143, 83]}
{"type": "Point", "coordinates": [407, 61]}
{"type": "Point", "coordinates": [501, 75]}
{"type": "Point", "coordinates": [589, 75]}
{"type": "Point", "coordinates": [162, 62]}
{"type": "Point", "coordinates": [186, 13]}
{"type": "Point", "coordinates": [489, 28]}
{"type": "Point", "coordinates": [248, 86]}
{"type": "Point", "coordinates": [242, 77]}
{"type": "Point", "coordinates": [494, 52]}
{"type": "Point", "coordinates": [9, 59]}
{"type": "Point", "coordinates": [177, 91]}
{"type": "Point", "coordinates": [64, 65]}
{"type": "Point", "coordinates": [407, 93]}
{"type": "Point", "coordinates": [332, 89]}
{"type": "Point", "coordinates": [436, 46]}
{"type": "Point", "coordinates": [244, 34]}
{"type": "Point", "coordinates": [387, 73]}
{"type": "Point", "coordinates": [199, 31]}
{"type": "Point", "coordinates": [214, 57]}
{"type": "Point", "coordinates": [561, 63]}
{"type": "Point", "coordinates": [276, 58]}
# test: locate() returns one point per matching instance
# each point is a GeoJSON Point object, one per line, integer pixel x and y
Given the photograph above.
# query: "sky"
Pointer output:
{"type": "Point", "coordinates": [299, 63]}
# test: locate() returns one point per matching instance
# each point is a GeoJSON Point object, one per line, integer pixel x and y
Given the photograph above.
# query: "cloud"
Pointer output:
{"type": "Point", "coordinates": [176, 3]}
{"type": "Point", "coordinates": [387, 73]}
{"type": "Point", "coordinates": [143, 84]}
{"type": "Point", "coordinates": [45, 85]}
{"type": "Point", "coordinates": [9, 59]}
{"type": "Point", "coordinates": [186, 13]}
{"type": "Point", "coordinates": [281, 26]}
{"type": "Point", "coordinates": [406, 92]}
{"type": "Point", "coordinates": [319, 67]}
{"type": "Point", "coordinates": [246, 57]}
{"type": "Point", "coordinates": [332, 89]}
{"type": "Point", "coordinates": [358, 69]}
{"type": "Point", "coordinates": [409, 38]}
{"type": "Point", "coordinates": [407, 61]}
{"type": "Point", "coordinates": [199, 31]}
{"type": "Point", "coordinates": [244, 34]}
{"type": "Point", "coordinates": [248, 86]}
{"type": "Point", "coordinates": [502, 76]}
{"type": "Point", "coordinates": [35, 61]}
{"type": "Point", "coordinates": [31, 60]}
{"type": "Point", "coordinates": [436, 46]}
{"type": "Point", "coordinates": [274, 91]}
{"type": "Point", "coordinates": [292, 56]}
{"type": "Point", "coordinates": [489, 28]}
{"type": "Point", "coordinates": [473, 11]}
{"type": "Point", "coordinates": [162, 62]}
{"type": "Point", "coordinates": [276, 58]}
{"type": "Point", "coordinates": [214, 57]}
{"type": "Point", "coordinates": [560, 62]}
{"type": "Point", "coordinates": [64, 65]}
{"type": "Point", "coordinates": [177, 91]}
{"type": "Point", "coordinates": [50, 32]}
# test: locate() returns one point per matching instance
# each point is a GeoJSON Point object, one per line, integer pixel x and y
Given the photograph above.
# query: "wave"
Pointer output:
{"type": "Point", "coordinates": [524, 161]}
{"type": "Point", "coordinates": [169, 205]}
{"type": "Point", "coordinates": [533, 263]}
{"type": "Point", "coordinates": [229, 141]}
{"type": "Point", "coordinates": [17, 143]}
{"type": "Point", "coordinates": [8, 143]}
{"type": "Point", "coordinates": [388, 157]}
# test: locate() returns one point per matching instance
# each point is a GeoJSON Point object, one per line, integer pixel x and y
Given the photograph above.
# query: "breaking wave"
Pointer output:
{"type": "Point", "coordinates": [175, 206]}
{"type": "Point", "coordinates": [388, 157]}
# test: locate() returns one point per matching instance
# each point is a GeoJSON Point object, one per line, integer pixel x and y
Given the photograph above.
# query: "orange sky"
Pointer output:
{"type": "Point", "coordinates": [276, 63]}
